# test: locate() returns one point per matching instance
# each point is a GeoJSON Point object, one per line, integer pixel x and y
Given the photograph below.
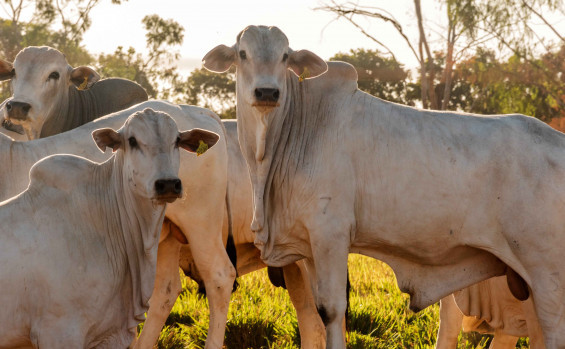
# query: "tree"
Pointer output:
{"type": "Point", "coordinates": [460, 19]}
{"type": "Point", "coordinates": [156, 71]}
{"type": "Point", "coordinates": [489, 86]}
{"type": "Point", "coordinates": [212, 90]}
{"type": "Point", "coordinates": [470, 23]}
{"type": "Point", "coordinates": [378, 75]}
{"type": "Point", "coordinates": [63, 21]}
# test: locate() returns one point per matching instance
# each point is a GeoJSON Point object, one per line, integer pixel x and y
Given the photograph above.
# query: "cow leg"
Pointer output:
{"type": "Point", "coordinates": [450, 322]}
{"type": "Point", "coordinates": [549, 307]}
{"type": "Point", "coordinates": [329, 252]}
{"type": "Point", "coordinates": [503, 341]}
{"type": "Point", "coordinates": [218, 275]}
{"type": "Point", "coordinates": [312, 331]}
{"type": "Point", "coordinates": [64, 333]}
{"type": "Point", "coordinates": [534, 330]}
{"type": "Point", "coordinates": [165, 292]}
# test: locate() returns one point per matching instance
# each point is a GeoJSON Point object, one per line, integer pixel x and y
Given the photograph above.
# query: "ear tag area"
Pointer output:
{"type": "Point", "coordinates": [84, 84]}
{"type": "Point", "coordinates": [202, 147]}
{"type": "Point", "coordinates": [305, 75]}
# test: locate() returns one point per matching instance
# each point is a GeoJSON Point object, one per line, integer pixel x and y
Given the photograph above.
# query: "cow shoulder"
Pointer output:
{"type": "Point", "coordinates": [61, 171]}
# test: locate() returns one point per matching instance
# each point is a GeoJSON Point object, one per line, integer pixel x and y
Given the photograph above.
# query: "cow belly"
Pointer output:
{"type": "Point", "coordinates": [426, 283]}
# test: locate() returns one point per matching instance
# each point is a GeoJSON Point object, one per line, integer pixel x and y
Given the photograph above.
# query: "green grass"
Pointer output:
{"type": "Point", "coordinates": [262, 316]}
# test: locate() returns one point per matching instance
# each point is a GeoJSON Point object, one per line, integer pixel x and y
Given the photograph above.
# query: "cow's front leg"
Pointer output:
{"type": "Point", "coordinates": [312, 331]}
{"type": "Point", "coordinates": [450, 322]}
{"type": "Point", "coordinates": [165, 292]}
{"type": "Point", "coordinates": [547, 292]}
{"type": "Point", "coordinates": [329, 257]}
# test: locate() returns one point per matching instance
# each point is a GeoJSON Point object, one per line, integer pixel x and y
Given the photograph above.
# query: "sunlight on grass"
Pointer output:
{"type": "Point", "coordinates": [262, 316]}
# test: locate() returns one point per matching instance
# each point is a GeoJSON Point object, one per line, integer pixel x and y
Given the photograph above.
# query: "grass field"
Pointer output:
{"type": "Point", "coordinates": [262, 316]}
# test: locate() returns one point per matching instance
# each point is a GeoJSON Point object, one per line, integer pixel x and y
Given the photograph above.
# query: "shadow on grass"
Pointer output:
{"type": "Point", "coordinates": [249, 333]}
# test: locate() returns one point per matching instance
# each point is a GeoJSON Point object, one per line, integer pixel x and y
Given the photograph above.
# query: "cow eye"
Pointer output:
{"type": "Point", "coordinates": [132, 142]}
{"type": "Point", "coordinates": [242, 54]}
{"type": "Point", "coordinates": [177, 142]}
{"type": "Point", "coordinates": [54, 75]}
{"type": "Point", "coordinates": [285, 57]}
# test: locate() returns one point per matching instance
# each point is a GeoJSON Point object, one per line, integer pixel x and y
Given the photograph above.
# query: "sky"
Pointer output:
{"type": "Point", "coordinates": [210, 23]}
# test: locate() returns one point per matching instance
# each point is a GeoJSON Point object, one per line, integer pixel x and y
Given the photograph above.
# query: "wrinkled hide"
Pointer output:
{"type": "Point", "coordinates": [445, 198]}
{"type": "Point", "coordinates": [90, 237]}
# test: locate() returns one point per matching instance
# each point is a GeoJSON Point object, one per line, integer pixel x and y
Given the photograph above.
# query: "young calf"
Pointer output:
{"type": "Point", "coordinates": [79, 246]}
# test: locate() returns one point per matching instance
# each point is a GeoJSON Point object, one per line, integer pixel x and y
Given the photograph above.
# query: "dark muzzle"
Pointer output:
{"type": "Point", "coordinates": [17, 110]}
{"type": "Point", "coordinates": [168, 189]}
{"type": "Point", "coordinates": [267, 94]}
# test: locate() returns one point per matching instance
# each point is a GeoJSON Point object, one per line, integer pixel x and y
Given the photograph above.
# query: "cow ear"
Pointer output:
{"type": "Point", "coordinates": [197, 140]}
{"type": "Point", "coordinates": [106, 137]}
{"type": "Point", "coordinates": [219, 59]}
{"type": "Point", "coordinates": [6, 70]}
{"type": "Point", "coordinates": [306, 64]}
{"type": "Point", "coordinates": [84, 77]}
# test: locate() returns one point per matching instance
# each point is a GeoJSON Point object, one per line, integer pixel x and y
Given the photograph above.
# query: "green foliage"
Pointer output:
{"type": "Point", "coordinates": [262, 316]}
{"type": "Point", "coordinates": [156, 72]}
{"type": "Point", "coordinates": [211, 90]}
{"type": "Point", "coordinates": [485, 85]}
{"type": "Point", "coordinates": [380, 76]}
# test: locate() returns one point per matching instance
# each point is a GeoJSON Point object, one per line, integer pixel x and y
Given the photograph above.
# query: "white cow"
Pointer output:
{"type": "Point", "coordinates": [201, 220]}
{"type": "Point", "coordinates": [312, 332]}
{"type": "Point", "coordinates": [49, 96]}
{"type": "Point", "coordinates": [446, 199]}
{"type": "Point", "coordinates": [79, 246]}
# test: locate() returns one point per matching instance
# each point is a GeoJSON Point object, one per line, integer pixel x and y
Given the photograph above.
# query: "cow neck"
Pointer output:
{"type": "Point", "coordinates": [290, 128]}
{"type": "Point", "coordinates": [135, 235]}
{"type": "Point", "coordinates": [76, 108]}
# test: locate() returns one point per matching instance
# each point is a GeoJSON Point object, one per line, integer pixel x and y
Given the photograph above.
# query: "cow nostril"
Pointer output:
{"type": "Point", "coordinates": [276, 95]}
{"type": "Point", "coordinates": [9, 106]}
{"type": "Point", "coordinates": [178, 186]}
{"type": "Point", "coordinates": [159, 186]}
{"type": "Point", "coordinates": [258, 93]}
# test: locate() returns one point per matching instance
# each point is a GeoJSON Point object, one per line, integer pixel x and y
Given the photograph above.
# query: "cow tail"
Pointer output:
{"type": "Point", "coordinates": [230, 245]}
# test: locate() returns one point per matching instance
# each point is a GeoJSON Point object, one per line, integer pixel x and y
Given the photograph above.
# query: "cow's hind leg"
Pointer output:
{"type": "Point", "coordinates": [62, 333]}
{"type": "Point", "coordinates": [450, 322]}
{"type": "Point", "coordinates": [165, 292]}
{"type": "Point", "coordinates": [312, 331]}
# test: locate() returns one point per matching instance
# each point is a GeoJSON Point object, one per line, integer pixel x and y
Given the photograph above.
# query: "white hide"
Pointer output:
{"type": "Point", "coordinates": [444, 198]}
{"type": "Point", "coordinates": [200, 219]}
{"type": "Point", "coordinates": [79, 245]}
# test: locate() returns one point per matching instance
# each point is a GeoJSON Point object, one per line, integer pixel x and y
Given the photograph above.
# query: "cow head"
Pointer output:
{"type": "Point", "coordinates": [148, 144]}
{"type": "Point", "coordinates": [40, 79]}
{"type": "Point", "coordinates": [262, 57]}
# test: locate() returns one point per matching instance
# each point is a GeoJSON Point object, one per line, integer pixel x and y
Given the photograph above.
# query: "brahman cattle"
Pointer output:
{"type": "Point", "coordinates": [446, 199]}
{"type": "Point", "coordinates": [312, 332]}
{"type": "Point", "coordinates": [204, 178]}
{"type": "Point", "coordinates": [50, 97]}
{"type": "Point", "coordinates": [89, 233]}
